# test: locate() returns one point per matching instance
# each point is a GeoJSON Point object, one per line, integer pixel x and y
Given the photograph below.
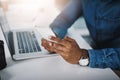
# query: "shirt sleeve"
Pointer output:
{"type": "Point", "coordinates": [66, 18]}
{"type": "Point", "coordinates": [103, 58]}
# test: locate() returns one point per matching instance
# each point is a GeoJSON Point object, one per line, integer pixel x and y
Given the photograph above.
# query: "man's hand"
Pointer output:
{"type": "Point", "coordinates": [67, 48]}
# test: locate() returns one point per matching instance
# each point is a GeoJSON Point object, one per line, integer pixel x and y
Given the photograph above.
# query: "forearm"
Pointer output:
{"type": "Point", "coordinates": [103, 58]}
{"type": "Point", "coordinates": [66, 18]}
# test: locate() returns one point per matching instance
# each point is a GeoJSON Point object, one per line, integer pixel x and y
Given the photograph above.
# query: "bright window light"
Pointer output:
{"type": "Point", "coordinates": [35, 12]}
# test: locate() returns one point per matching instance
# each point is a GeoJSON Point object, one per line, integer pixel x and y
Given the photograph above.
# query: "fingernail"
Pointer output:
{"type": "Point", "coordinates": [50, 44]}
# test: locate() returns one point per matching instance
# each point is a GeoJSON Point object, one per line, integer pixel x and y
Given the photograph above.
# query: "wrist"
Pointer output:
{"type": "Point", "coordinates": [85, 53]}
{"type": "Point", "coordinates": [84, 60]}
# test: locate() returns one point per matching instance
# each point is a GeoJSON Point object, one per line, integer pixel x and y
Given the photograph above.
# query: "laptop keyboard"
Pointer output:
{"type": "Point", "coordinates": [27, 42]}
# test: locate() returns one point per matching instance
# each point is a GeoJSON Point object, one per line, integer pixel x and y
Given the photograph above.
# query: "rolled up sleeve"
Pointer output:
{"type": "Point", "coordinates": [103, 58]}
{"type": "Point", "coordinates": [66, 18]}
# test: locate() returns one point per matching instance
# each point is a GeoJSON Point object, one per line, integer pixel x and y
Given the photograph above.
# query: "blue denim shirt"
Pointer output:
{"type": "Point", "coordinates": [103, 21]}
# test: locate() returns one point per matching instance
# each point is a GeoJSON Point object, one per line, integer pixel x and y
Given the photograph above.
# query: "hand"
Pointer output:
{"type": "Point", "coordinates": [67, 48]}
{"type": "Point", "coordinates": [47, 45]}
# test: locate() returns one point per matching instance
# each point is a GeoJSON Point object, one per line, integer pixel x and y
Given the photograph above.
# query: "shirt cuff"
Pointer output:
{"type": "Point", "coordinates": [103, 58]}
{"type": "Point", "coordinates": [97, 59]}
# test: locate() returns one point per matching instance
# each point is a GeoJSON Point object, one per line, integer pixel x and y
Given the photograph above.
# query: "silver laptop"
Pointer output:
{"type": "Point", "coordinates": [24, 43]}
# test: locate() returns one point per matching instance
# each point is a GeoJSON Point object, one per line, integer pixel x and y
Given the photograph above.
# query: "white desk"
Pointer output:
{"type": "Point", "coordinates": [52, 68]}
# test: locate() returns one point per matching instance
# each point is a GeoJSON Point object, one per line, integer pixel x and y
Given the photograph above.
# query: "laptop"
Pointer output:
{"type": "Point", "coordinates": [24, 43]}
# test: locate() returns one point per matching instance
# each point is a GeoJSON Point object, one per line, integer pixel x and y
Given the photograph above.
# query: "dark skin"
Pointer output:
{"type": "Point", "coordinates": [67, 48]}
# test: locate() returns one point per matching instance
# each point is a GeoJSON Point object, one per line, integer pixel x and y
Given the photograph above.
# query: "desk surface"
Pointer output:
{"type": "Point", "coordinates": [52, 68]}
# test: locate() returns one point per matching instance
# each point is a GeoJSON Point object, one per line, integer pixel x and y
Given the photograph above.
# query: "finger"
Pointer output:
{"type": "Point", "coordinates": [47, 45]}
{"type": "Point", "coordinates": [60, 50]}
{"type": "Point", "coordinates": [43, 42]}
{"type": "Point", "coordinates": [59, 47]}
{"type": "Point", "coordinates": [57, 40]}
{"type": "Point", "coordinates": [69, 39]}
{"type": "Point", "coordinates": [51, 46]}
{"type": "Point", "coordinates": [61, 53]}
{"type": "Point", "coordinates": [46, 42]}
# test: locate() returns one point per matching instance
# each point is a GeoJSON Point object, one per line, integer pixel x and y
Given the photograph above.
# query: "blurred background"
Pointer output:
{"type": "Point", "coordinates": [31, 13]}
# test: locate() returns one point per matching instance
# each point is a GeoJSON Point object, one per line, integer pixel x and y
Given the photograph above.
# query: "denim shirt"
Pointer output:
{"type": "Point", "coordinates": [103, 22]}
